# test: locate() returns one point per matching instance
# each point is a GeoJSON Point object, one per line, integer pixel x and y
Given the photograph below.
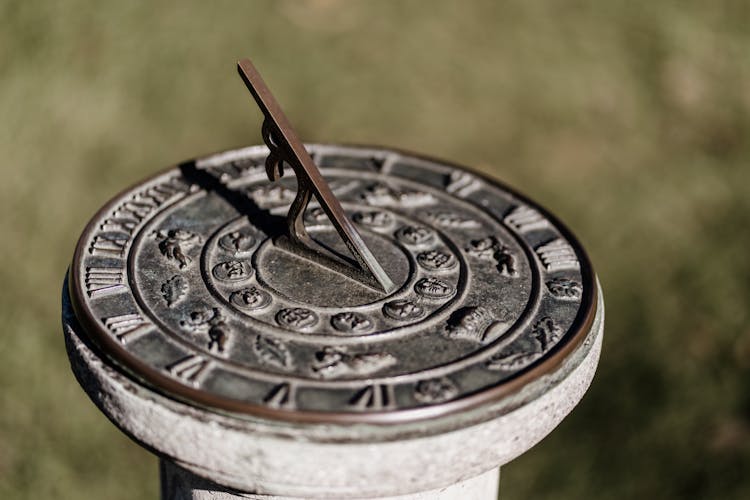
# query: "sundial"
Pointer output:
{"type": "Point", "coordinates": [316, 288]}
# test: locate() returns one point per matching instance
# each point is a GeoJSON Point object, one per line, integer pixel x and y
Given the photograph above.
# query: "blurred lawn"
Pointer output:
{"type": "Point", "coordinates": [629, 119]}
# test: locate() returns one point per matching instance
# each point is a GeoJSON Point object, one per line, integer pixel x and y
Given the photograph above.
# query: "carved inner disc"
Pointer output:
{"type": "Point", "coordinates": [296, 279]}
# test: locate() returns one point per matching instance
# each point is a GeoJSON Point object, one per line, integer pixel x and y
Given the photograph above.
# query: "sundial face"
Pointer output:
{"type": "Point", "coordinates": [181, 281]}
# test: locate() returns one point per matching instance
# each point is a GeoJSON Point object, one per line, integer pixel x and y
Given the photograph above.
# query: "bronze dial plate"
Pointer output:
{"type": "Point", "coordinates": [179, 281]}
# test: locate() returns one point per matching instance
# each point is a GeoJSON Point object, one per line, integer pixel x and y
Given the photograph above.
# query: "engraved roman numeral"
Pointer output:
{"type": "Point", "coordinates": [524, 219]}
{"type": "Point", "coordinates": [103, 281]}
{"type": "Point", "coordinates": [134, 209]}
{"type": "Point", "coordinates": [109, 244]}
{"type": "Point", "coordinates": [462, 183]}
{"type": "Point", "coordinates": [374, 397]}
{"type": "Point", "coordinates": [119, 224]}
{"type": "Point", "coordinates": [189, 368]}
{"type": "Point", "coordinates": [281, 396]}
{"type": "Point", "coordinates": [126, 327]}
{"type": "Point", "coordinates": [386, 164]}
{"type": "Point", "coordinates": [557, 255]}
{"type": "Point", "coordinates": [234, 169]}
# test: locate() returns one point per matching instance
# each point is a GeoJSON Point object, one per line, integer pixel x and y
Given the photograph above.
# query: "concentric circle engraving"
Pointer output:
{"type": "Point", "coordinates": [197, 294]}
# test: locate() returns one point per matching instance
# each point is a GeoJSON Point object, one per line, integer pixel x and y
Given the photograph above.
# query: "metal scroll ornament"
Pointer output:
{"type": "Point", "coordinates": [397, 288]}
{"type": "Point", "coordinates": [285, 148]}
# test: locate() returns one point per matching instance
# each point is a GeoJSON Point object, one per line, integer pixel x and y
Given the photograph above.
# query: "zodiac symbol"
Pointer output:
{"type": "Point", "coordinates": [436, 260]}
{"type": "Point", "coordinates": [433, 288]}
{"type": "Point", "coordinates": [351, 322]}
{"type": "Point", "coordinates": [250, 299]}
{"type": "Point", "coordinates": [403, 309]}
{"type": "Point", "coordinates": [296, 317]}
{"type": "Point", "coordinates": [237, 242]}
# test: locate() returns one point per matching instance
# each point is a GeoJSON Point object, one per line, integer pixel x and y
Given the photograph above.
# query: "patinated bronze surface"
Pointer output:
{"type": "Point", "coordinates": [177, 283]}
{"type": "Point", "coordinates": [460, 291]}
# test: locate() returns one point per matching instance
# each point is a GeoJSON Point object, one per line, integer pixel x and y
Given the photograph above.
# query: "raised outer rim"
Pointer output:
{"type": "Point", "coordinates": [156, 380]}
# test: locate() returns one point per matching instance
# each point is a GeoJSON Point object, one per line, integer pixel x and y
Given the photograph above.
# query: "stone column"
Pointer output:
{"type": "Point", "coordinates": [207, 454]}
{"type": "Point", "coordinates": [180, 484]}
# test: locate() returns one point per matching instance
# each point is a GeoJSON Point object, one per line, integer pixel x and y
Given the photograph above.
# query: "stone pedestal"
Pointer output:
{"type": "Point", "coordinates": [180, 484]}
{"type": "Point", "coordinates": [209, 454]}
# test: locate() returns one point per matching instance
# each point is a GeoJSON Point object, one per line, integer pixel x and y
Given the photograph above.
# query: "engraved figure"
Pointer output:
{"type": "Point", "coordinates": [373, 218]}
{"type": "Point", "coordinates": [470, 323]}
{"type": "Point", "coordinates": [484, 248]}
{"type": "Point", "coordinates": [451, 219]}
{"type": "Point", "coordinates": [212, 322]}
{"type": "Point", "coordinates": [232, 270]}
{"type": "Point", "coordinates": [173, 242]}
{"type": "Point", "coordinates": [200, 319]}
{"type": "Point", "coordinates": [436, 390]}
{"type": "Point", "coordinates": [351, 322]}
{"type": "Point", "coordinates": [250, 299]}
{"type": "Point", "coordinates": [415, 235]}
{"type": "Point", "coordinates": [272, 351]}
{"type": "Point", "coordinates": [433, 288]}
{"type": "Point", "coordinates": [545, 334]}
{"type": "Point", "coordinates": [565, 289]}
{"type": "Point", "coordinates": [238, 242]}
{"type": "Point", "coordinates": [336, 362]}
{"type": "Point", "coordinates": [403, 309]}
{"type": "Point", "coordinates": [382, 195]}
{"type": "Point", "coordinates": [490, 248]}
{"type": "Point", "coordinates": [436, 260]}
{"type": "Point", "coordinates": [218, 334]}
{"type": "Point", "coordinates": [506, 262]}
{"type": "Point", "coordinates": [296, 317]}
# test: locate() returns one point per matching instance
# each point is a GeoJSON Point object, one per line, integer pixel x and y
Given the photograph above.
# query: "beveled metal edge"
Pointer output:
{"type": "Point", "coordinates": [168, 386]}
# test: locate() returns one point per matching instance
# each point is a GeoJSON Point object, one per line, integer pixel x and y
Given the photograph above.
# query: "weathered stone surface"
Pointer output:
{"type": "Point", "coordinates": [333, 461]}
{"type": "Point", "coordinates": [255, 359]}
{"type": "Point", "coordinates": [180, 484]}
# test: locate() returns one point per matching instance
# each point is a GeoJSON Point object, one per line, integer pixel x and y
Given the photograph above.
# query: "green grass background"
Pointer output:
{"type": "Point", "coordinates": [631, 120]}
